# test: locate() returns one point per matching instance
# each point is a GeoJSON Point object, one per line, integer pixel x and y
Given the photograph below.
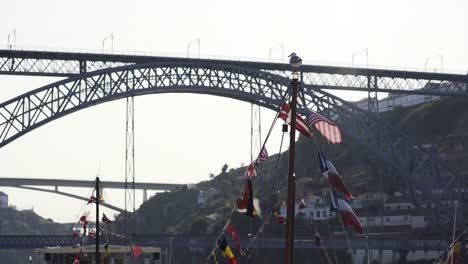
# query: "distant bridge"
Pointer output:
{"type": "Point", "coordinates": [27, 183]}
{"type": "Point", "coordinates": [23, 242]}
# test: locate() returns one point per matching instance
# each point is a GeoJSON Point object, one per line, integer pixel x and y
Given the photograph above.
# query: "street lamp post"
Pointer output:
{"type": "Point", "coordinates": [9, 45]}
{"type": "Point", "coordinates": [197, 41]}
{"type": "Point", "coordinates": [280, 45]}
{"type": "Point", "coordinates": [441, 56]}
{"type": "Point", "coordinates": [363, 51]}
{"type": "Point", "coordinates": [111, 37]}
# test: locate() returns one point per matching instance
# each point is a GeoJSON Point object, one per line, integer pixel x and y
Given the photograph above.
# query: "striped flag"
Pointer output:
{"type": "Point", "coordinates": [251, 171]}
{"type": "Point", "coordinates": [347, 214]}
{"type": "Point", "coordinates": [263, 155]}
{"type": "Point", "coordinates": [329, 172]}
{"type": "Point", "coordinates": [226, 250]}
{"type": "Point", "coordinates": [231, 231]}
{"type": "Point", "coordinates": [326, 127]}
{"type": "Point", "coordinates": [301, 124]}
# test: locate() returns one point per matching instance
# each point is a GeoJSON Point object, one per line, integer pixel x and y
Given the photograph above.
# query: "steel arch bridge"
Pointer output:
{"type": "Point", "coordinates": [262, 84]}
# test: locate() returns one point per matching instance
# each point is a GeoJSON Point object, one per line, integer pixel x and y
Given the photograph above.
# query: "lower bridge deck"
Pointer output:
{"type": "Point", "coordinates": [25, 242]}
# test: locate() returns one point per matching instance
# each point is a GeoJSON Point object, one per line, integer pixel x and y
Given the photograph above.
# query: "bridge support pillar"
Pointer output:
{"type": "Point", "coordinates": [56, 188]}
{"type": "Point", "coordinates": [145, 195]}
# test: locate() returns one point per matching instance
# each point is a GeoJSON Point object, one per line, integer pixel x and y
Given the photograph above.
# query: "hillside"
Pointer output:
{"type": "Point", "coordinates": [14, 222]}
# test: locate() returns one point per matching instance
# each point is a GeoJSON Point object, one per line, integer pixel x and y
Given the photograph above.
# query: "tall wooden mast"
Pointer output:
{"type": "Point", "coordinates": [295, 61]}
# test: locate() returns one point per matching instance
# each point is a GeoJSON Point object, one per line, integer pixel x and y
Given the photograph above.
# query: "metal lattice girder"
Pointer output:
{"type": "Point", "coordinates": [42, 63]}
{"type": "Point", "coordinates": [26, 112]}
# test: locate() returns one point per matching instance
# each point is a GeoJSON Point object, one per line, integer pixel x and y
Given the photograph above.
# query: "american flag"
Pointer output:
{"type": "Point", "coordinates": [263, 155]}
{"type": "Point", "coordinates": [251, 171]}
{"type": "Point", "coordinates": [301, 126]}
{"type": "Point", "coordinates": [326, 127]}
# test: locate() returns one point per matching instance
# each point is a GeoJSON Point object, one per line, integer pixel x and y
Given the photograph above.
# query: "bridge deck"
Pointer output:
{"type": "Point", "coordinates": [15, 242]}
{"type": "Point", "coordinates": [14, 182]}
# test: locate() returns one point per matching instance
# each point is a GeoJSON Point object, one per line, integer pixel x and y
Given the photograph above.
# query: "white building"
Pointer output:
{"type": "Point", "coordinates": [315, 209]}
{"type": "Point", "coordinates": [3, 200]}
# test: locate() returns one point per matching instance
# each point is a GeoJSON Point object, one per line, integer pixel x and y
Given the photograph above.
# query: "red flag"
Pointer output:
{"type": "Point", "coordinates": [326, 127]}
{"type": "Point", "coordinates": [91, 235]}
{"type": "Point", "coordinates": [136, 250]}
{"type": "Point", "coordinates": [347, 214]}
{"type": "Point", "coordinates": [302, 205]}
{"type": "Point", "coordinates": [246, 201]}
{"type": "Point", "coordinates": [231, 231]}
{"type": "Point", "coordinates": [83, 218]}
{"type": "Point", "coordinates": [263, 155]}
{"type": "Point", "coordinates": [301, 125]}
{"type": "Point", "coordinates": [226, 250]}
{"type": "Point", "coordinates": [329, 172]}
{"type": "Point", "coordinates": [251, 171]}
{"type": "Point", "coordinates": [76, 234]}
{"type": "Point", "coordinates": [91, 199]}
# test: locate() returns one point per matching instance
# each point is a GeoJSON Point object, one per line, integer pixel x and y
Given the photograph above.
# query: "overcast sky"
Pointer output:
{"type": "Point", "coordinates": [181, 138]}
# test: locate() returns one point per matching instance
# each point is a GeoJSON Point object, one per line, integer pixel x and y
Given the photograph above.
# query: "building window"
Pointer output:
{"type": "Point", "coordinates": [398, 207]}
{"type": "Point", "coordinates": [317, 214]}
{"type": "Point", "coordinates": [406, 217]}
{"type": "Point", "coordinates": [409, 206]}
{"type": "Point", "coordinates": [388, 219]}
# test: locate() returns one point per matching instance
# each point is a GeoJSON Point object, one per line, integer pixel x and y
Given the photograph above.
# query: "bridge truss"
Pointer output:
{"type": "Point", "coordinates": [94, 79]}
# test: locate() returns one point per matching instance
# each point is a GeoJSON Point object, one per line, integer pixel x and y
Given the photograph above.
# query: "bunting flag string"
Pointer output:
{"type": "Point", "coordinates": [249, 205]}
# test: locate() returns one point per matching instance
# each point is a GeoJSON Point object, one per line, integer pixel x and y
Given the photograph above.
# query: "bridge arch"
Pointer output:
{"type": "Point", "coordinates": [31, 110]}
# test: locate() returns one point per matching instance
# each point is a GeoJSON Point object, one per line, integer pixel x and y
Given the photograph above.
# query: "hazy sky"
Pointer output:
{"type": "Point", "coordinates": [183, 138]}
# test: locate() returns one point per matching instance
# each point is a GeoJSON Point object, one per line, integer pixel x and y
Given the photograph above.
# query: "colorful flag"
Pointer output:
{"type": "Point", "coordinates": [91, 199]}
{"type": "Point", "coordinates": [280, 218]}
{"type": "Point", "coordinates": [251, 171]}
{"type": "Point", "coordinates": [106, 250]}
{"type": "Point", "coordinates": [301, 125]}
{"type": "Point", "coordinates": [226, 250]}
{"type": "Point", "coordinates": [247, 203]}
{"type": "Point", "coordinates": [136, 250]}
{"type": "Point", "coordinates": [455, 252]}
{"type": "Point", "coordinates": [105, 219]}
{"type": "Point", "coordinates": [347, 214]}
{"type": "Point", "coordinates": [329, 172]}
{"type": "Point", "coordinates": [83, 218]}
{"type": "Point", "coordinates": [92, 235]}
{"type": "Point", "coordinates": [231, 231]}
{"type": "Point", "coordinates": [326, 127]}
{"type": "Point", "coordinates": [302, 205]}
{"type": "Point", "coordinates": [263, 155]}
